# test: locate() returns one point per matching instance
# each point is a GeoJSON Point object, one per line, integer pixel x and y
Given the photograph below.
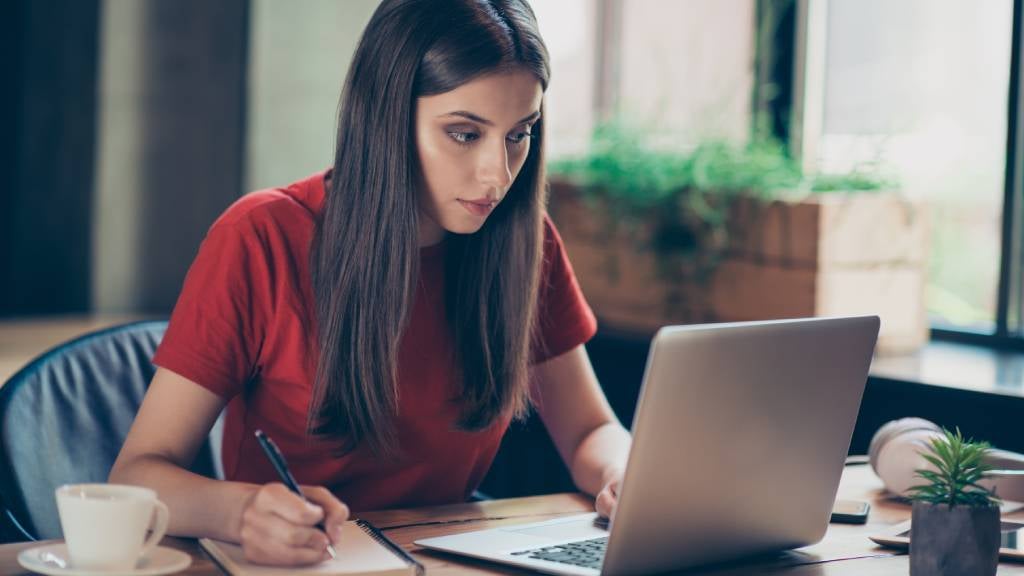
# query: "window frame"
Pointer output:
{"type": "Point", "coordinates": [1010, 308]}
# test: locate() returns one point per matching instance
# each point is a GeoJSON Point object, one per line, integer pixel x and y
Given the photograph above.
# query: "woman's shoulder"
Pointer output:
{"type": "Point", "coordinates": [289, 210]}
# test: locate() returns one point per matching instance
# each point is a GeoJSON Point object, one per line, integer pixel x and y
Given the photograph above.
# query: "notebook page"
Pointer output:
{"type": "Point", "coordinates": [358, 553]}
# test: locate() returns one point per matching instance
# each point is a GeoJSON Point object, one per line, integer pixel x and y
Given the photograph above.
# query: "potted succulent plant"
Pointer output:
{"type": "Point", "coordinates": [954, 526]}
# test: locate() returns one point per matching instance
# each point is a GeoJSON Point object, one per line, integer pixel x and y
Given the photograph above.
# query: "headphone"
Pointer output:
{"type": "Point", "coordinates": [895, 456]}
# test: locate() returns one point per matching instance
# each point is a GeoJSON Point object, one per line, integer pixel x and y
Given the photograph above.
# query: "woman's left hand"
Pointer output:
{"type": "Point", "coordinates": [608, 497]}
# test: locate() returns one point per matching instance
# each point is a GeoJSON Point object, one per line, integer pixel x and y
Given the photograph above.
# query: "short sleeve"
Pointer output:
{"type": "Point", "coordinates": [215, 331]}
{"type": "Point", "coordinates": [565, 320]}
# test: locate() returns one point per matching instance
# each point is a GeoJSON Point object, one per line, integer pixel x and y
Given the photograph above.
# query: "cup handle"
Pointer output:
{"type": "Point", "coordinates": [158, 526]}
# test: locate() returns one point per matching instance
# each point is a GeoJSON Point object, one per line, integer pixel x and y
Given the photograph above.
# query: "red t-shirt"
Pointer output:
{"type": "Point", "coordinates": [244, 328]}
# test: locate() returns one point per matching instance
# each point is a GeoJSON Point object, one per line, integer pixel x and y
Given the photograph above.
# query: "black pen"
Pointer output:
{"type": "Point", "coordinates": [270, 449]}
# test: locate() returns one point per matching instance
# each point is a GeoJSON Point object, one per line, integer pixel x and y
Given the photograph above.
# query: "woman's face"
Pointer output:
{"type": "Point", "coordinates": [472, 142]}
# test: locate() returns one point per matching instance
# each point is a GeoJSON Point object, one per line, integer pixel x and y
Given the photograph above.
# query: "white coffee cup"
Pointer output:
{"type": "Point", "coordinates": [105, 524]}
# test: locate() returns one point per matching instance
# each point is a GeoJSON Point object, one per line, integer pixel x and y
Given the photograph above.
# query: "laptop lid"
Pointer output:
{"type": "Point", "coordinates": [739, 440]}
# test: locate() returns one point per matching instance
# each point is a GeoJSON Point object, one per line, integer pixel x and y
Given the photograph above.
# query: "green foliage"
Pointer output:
{"type": "Point", "coordinates": [860, 181]}
{"type": "Point", "coordinates": [959, 465]}
{"type": "Point", "coordinates": [758, 168]}
{"type": "Point", "coordinates": [621, 165]}
{"type": "Point", "coordinates": [624, 166]}
{"type": "Point", "coordinates": [685, 193]}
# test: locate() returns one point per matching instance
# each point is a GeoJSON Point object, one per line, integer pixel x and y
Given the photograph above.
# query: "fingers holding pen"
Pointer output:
{"type": "Point", "coordinates": [279, 528]}
{"type": "Point", "coordinates": [336, 513]}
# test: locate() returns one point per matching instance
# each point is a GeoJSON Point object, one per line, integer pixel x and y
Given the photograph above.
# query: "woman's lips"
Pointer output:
{"type": "Point", "coordinates": [478, 208]}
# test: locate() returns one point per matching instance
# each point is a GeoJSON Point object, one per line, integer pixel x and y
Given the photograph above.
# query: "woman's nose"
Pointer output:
{"type": "Point", "coordinates": [494, 170]}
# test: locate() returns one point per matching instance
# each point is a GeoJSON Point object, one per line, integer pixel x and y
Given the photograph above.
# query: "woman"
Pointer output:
{"type": "Point", "coordinates": [383, 322]}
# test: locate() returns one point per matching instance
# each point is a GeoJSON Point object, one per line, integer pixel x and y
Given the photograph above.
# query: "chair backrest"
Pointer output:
{"type": "Point", "coordinates": [64, 417]}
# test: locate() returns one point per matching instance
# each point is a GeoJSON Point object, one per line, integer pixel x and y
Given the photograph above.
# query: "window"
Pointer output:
{"type": "Point", "coordinates": [902, 86]}
{"type": "Point", "coordinates": [684, 67]}
{"type": "Point", "coordinates": [923, 88]}
{"type": "Point", "coordinates": [918, 87]}
{"type": "Point", "coordinates": [570, 32]}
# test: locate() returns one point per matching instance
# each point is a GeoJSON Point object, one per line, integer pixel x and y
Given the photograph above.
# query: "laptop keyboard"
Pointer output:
{"type": "Point", "coordinates": [585, 553]}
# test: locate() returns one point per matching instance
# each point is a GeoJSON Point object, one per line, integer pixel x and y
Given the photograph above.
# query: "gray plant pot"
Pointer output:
{"type": "Point", "coordinates": [958, 541]}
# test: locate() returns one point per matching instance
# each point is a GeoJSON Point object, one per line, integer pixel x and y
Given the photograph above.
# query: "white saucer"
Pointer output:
{"type": "Point", "coordinates": [54, 559]}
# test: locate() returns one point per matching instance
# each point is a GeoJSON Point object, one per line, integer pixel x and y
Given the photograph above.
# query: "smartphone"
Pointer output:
{"type": "Point", "coordinates": [850, 512]}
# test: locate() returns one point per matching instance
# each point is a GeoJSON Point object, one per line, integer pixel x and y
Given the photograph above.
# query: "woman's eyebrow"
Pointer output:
{"type": "Point", "coordinates": [484, 121]}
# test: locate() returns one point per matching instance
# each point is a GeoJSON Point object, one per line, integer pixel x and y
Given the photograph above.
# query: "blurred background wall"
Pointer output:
{"type": "Point", "coordinates": [198, 102]}
{"type": "Point", "coordinates": [298, 58]}
{"type": "Point", "coordinates": [169, 143]}
{"type": "Point", "coordinates": [135, 123]}
{"type": "Point", "coordinates": [47, 116]}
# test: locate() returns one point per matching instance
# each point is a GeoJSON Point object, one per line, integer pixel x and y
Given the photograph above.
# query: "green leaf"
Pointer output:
{"type": "Point", "coordinates": [959, 466]}
{"type": "Point", "coordinates": [939, 465]}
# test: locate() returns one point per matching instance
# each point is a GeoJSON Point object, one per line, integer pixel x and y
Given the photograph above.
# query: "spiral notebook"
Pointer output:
{"type": "Point", "coordinates": [363, 549]}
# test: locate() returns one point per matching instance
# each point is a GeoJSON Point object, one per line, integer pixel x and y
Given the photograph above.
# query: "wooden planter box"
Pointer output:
{"type": "Point", "coordinates": [830, 254]}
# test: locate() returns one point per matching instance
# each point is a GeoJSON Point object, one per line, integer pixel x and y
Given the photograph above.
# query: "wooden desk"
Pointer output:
{"type": "Point", "coordinates": [405, 526]}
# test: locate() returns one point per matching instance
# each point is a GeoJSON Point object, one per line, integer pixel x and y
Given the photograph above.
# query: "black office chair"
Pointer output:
{"type": "Point", "coordinates": [64, 416]}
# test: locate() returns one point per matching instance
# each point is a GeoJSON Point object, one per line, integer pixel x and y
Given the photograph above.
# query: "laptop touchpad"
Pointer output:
{"type": "Point", "coordinates": [577, 528]}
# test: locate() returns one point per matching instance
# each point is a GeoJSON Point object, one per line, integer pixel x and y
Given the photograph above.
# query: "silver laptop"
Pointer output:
{"type": "Point", "coordinates": [739, 441]}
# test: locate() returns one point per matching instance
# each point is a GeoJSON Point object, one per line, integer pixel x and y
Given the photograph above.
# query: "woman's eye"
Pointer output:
{"type": "Point", "coordinates": [463, 137]}
{"type": "Point", "coordinates": [519, 137]}
{"type": "Point", "coordinates": [467, 138]}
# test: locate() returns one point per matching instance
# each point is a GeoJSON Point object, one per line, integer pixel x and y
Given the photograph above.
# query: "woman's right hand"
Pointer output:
{"type": "Point", "coordinates": [278, 527]}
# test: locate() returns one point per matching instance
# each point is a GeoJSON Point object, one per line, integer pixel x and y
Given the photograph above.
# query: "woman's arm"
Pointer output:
{"type": "Point", "coordinates": [273, 525]}
{"type": "Point", "coordinates": [170, 427]}
{"type": "Point", "coordinates": [589, 437]}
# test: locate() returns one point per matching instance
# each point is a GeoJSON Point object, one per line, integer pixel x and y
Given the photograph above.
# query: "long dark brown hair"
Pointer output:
{"type": "Point", "coordinates": [365, 252]}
